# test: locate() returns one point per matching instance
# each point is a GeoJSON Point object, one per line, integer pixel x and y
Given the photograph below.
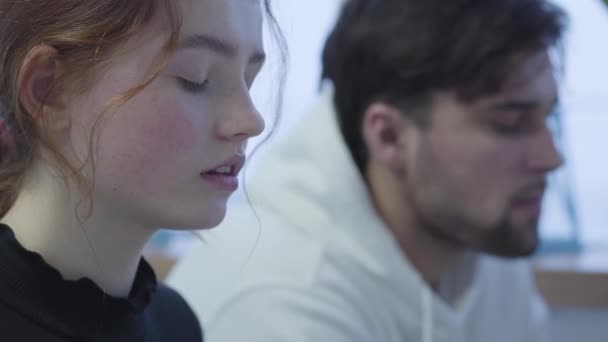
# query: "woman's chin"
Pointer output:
{"type": "Point", "coordinates": [206, 219]}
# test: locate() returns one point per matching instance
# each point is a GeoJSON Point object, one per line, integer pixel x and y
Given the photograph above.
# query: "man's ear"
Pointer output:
{"type": "Point", "coordinates": [37, 89]}
{"type": "Point", "coordinates": [383, 129]}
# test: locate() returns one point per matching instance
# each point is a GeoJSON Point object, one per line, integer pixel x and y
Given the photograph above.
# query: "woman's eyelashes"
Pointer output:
{"type": "Point", "coordinates": [192, 86]}
{"type": "Point", "coordinates": [195, 87]}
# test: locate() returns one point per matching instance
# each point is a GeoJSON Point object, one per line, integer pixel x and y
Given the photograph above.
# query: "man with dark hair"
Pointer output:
{"type": "Point", "coordinates": [400, 208]}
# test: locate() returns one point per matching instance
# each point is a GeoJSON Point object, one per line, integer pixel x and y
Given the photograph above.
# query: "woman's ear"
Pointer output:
{"type": "Point", "coordinates": [37, 81]}
{"type": "Point", "coordinates": [383, 129]}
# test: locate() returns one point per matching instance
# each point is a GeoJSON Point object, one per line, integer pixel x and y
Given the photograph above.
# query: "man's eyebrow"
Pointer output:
{"type": "Point", "coordinates": [217, 45]}
{"type": "Point", "coordinates": [521, 105]}
{"type": "Point", "coordinates": [516, 105]}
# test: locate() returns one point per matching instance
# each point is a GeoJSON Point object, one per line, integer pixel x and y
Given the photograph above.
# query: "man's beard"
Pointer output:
{"type": "Point", "coordinates": [501, 239]}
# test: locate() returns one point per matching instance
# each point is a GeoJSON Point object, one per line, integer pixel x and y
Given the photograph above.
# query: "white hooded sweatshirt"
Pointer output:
{"type": "Point", "coordinates": [325, 268]}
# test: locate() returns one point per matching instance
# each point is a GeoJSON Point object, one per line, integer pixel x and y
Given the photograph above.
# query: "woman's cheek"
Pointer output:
{"type": "Point", "coordinates": [155, 141]}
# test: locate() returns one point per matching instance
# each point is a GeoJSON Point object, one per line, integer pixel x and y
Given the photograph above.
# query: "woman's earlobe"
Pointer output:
{"type": "Point", "coordinates": [37, 77]}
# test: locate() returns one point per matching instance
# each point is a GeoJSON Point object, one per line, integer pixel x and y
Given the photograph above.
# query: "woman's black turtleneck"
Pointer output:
{"type": "Point", "coordinates": [37, 304]}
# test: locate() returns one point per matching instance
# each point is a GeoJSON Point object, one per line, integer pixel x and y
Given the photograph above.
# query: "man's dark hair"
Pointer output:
{"type": "Point", "coordinates": [401, 51]}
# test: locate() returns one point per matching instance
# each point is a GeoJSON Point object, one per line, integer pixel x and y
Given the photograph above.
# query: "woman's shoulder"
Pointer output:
{"type": "Point", "coordinates": [172, 318]}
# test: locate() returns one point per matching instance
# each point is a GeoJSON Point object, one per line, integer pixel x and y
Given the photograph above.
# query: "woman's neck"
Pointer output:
{"type": "Point", "coordinates": [102, 247]}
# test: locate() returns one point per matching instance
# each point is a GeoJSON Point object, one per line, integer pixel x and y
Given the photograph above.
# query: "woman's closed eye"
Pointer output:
{"type": "Point", "coordinates": [192, 86]}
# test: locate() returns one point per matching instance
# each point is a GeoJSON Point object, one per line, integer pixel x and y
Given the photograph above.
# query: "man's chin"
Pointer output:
{"type": "Point", "coordinates": [513, 241]}
{"type": "Point", "coordinates": [516, 249]}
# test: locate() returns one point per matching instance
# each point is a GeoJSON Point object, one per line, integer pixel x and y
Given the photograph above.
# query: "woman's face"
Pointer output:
{"type": "Point", "coordinates": [169, 157]}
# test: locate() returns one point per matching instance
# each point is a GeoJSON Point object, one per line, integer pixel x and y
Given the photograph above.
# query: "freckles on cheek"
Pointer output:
{"type": "Point", "coordinates": [170, 132]}
{"type": "Point", "coordinates": [158, 140]}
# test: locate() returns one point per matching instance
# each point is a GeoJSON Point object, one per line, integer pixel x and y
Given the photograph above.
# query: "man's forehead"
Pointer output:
{"type": "Point", "coordinates": [528, 70]}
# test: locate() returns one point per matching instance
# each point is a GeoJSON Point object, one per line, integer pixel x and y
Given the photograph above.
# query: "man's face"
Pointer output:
{"type": "Point", "coordinates": [476, 174]}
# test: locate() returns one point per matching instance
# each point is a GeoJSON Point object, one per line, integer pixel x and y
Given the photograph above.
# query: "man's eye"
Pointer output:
{"type": "Point", "coordinates": [509, 126]}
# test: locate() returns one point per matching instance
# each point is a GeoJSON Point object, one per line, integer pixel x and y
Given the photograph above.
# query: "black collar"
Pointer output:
{"type": "Point", "coordinates": [76, 308]}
